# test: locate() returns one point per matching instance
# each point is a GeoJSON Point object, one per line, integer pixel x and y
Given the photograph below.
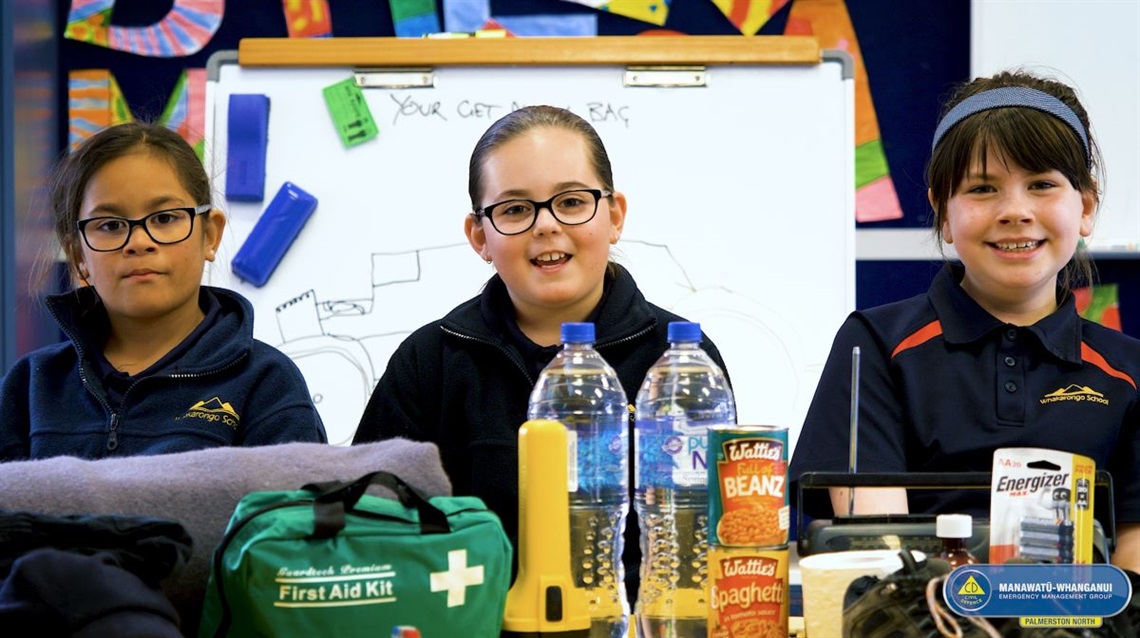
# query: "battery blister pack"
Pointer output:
{"type": "Point", "coordinates": [1041, 506]}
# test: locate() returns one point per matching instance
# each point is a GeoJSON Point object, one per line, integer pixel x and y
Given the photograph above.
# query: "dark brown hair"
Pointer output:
{"type": "Point", "coordinates": [522, 120]}
{"type": "Point", "coordinates": [1029, 138]}
{"type": "Point", "coordinates": [72, 174]}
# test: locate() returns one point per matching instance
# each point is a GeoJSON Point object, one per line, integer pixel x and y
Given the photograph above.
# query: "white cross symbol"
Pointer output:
{"type": "Point", "coordinates": [457, 578]}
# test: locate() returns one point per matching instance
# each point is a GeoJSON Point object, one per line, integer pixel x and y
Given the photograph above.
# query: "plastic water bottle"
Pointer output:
{"type": "Point", "coordinates": [580, 390]}
{"type": "Point", "coordinates": [683, 394]}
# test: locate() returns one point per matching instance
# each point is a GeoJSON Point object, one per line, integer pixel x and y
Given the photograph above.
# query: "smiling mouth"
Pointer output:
{"type": "Point", "coordinates": [550, 259]}
{"type": "Point", "coordinates": [1017, 246]}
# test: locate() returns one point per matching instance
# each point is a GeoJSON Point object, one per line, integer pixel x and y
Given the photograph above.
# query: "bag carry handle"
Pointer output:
{"type": "Point", "coordinates": [334, 498]}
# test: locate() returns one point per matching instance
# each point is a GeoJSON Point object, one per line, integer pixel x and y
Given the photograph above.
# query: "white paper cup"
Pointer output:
{"type": "Point", "coordinates": [825, 578]}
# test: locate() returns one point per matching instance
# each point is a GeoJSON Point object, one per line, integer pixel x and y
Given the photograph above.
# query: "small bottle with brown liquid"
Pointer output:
{"type": "Point", "coordinates": [955, 530]}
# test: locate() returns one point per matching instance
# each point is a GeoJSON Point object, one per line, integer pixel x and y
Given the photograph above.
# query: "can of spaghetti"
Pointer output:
{"type": "Point", "coordinates": [748, 592]}
{"type": "Point", "coordinates": [748, 476]}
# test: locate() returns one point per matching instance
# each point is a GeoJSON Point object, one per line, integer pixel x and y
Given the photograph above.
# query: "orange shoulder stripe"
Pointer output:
{"type": "Point", "coordinates": [919, 337]}
{"type": "Point", "coordinates": [1093, 357]}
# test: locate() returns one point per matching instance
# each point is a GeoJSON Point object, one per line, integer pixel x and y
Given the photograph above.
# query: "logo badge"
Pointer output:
{"type": "Point", "coordinates": [970, 588]}
{"type": "Point", "coordinates": [1069, 595]}
{"type": "Point", "coordinates": [215, 411]}
{"type": "Point", "coordinates": [1074, 392]}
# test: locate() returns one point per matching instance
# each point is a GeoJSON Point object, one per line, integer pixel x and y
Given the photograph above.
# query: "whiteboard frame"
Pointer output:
{"type": "Point", "coordinates": [639, 52]}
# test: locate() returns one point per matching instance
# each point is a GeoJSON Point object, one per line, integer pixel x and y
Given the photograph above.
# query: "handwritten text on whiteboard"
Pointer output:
{"type": "Point", "coordinates": [407, 107]}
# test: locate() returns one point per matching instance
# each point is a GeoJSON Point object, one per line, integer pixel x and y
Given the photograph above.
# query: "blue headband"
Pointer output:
{"type": "Point", "coordinates": [1012, 96]}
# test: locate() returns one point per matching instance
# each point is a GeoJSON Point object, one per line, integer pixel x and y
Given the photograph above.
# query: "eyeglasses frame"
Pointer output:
{"type": "Point", "coordinates": [598, 194]}
{"type": "Point", "coordinates": [194, 211]}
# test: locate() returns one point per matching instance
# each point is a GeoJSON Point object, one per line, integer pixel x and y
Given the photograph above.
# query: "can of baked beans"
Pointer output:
{"type": "Point", "coordinates": [747, 479]}
{"type": "Point", "coordinates": [748, 592]}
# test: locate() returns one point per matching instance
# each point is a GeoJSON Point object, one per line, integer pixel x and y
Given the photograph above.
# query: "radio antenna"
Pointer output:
{"type": "Point", "coordinates": [851, 463]}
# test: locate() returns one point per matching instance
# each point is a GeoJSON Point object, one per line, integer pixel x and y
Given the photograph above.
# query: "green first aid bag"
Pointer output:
{"type": "Point", "coordinates": [330, 560]}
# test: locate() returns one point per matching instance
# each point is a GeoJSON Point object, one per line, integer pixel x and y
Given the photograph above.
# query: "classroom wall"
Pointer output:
{"type": "Point", "coordinates": [7, 263]}
{"type": "Point", "coordinates": [1107, 78]}
{"type": "Point", "coordinates": [913, 52]}
{"type": "Point", "coordinates": [28, 146]}
{"type": "Point", "coordinates": [935, 37]}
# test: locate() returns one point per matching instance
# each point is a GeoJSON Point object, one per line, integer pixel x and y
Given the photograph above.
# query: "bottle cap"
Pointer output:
{"type": "Point", "coordinates": [954, 526]}
{"type": "Point", "coordinates": [577, 332]}
{"type": "Point", "coordinates": [684, 332]}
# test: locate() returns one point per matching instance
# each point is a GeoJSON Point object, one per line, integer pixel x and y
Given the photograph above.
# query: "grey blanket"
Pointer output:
{"type": "Point", "coordinates": [200, 489]}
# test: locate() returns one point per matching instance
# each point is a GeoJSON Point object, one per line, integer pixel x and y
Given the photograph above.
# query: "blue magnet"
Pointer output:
{"type": "Point", "coordinates": [274, 232]}
{"type": "Point", "coordinates": [247, 136]}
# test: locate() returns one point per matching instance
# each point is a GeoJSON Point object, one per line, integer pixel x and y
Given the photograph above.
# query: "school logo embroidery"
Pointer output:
{"type": "Point", "coordinates": [1074, 392]}
{"type": "Point", "coordinates": [213, 410]}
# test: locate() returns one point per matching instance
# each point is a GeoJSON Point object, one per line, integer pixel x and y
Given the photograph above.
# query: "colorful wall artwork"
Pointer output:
{"type": "Point", "coordinates": [187, 28]}
{"type": "Point", "coordinates": [875, 197]}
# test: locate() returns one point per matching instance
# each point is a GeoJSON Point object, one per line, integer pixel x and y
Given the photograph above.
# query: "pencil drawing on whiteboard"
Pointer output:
{"type": "Point", "coordinates": [343, 345]}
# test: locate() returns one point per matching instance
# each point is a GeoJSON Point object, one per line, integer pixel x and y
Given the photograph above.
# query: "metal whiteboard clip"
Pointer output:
{"type": "Point", "coordinates": [666, 76]}
{"type": "Point", "coordinates": [395, 78]}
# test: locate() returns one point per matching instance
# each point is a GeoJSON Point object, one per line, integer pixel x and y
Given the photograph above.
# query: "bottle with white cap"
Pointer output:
{"type": "Point", "coordinates": [955, 530]}
{"type": "Point", "coordinates": [581, 391]}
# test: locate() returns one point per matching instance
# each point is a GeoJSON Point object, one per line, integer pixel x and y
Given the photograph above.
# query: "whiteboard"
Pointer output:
{"type": "Point", "coordinates": [740, 213]}
{"type": "Point", "coordinates": [1093, 45]}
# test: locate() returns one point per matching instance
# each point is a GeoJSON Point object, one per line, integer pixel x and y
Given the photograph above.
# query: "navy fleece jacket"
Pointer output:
{"type": "Point", "coordinates": [225, 389]}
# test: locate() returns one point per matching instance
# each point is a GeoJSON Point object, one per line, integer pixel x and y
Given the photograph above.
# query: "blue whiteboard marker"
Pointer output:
{"type": "Point", "coordinates": [274, 232]}
{"type": "Point", "coordinates": [247, 137]}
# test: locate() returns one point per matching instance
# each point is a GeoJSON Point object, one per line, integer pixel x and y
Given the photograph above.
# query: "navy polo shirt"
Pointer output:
{"type": "Point", "coordinates": [943, 383]}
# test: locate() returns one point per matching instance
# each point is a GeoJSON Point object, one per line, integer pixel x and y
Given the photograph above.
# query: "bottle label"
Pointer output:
{"type": "Point", "coordinates": [597, 451]}
{"type": "Point", "coordinates": [572, 460]}
{"type": "Point", "coordinates": [671, 457]}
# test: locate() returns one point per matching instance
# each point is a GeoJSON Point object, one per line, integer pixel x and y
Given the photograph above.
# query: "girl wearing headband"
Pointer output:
{"type": "Point", "coordinates": [994, 355]}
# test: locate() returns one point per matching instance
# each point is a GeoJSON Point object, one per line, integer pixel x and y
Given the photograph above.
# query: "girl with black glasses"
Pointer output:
{"type": "Point", "coordinates": [155, 362]}
{"type": "Point", "coordinates": [544, 213]}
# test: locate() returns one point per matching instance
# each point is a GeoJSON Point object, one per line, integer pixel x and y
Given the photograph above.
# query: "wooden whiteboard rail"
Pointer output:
{"type": "Point", "coordinates": [623, 50]}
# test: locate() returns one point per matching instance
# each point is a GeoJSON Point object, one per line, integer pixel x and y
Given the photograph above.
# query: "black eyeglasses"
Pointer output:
{"type": "Point", "coordinates": [170, 226]}
{"type": "Point", "coordinates": [570, 208]}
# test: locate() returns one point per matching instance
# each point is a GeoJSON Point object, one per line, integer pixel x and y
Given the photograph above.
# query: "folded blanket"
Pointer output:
{"type": "Point", "coordinates": [200, 489]}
